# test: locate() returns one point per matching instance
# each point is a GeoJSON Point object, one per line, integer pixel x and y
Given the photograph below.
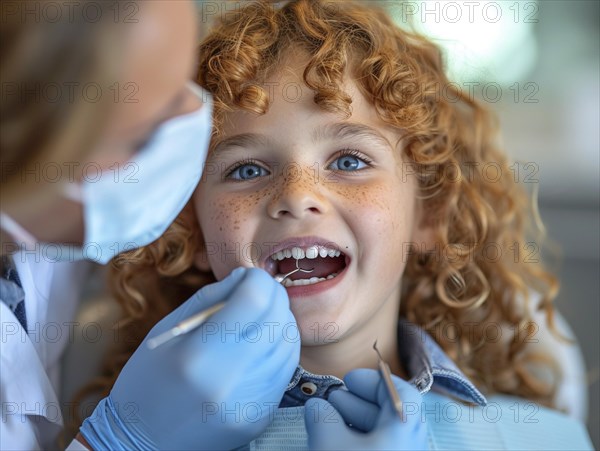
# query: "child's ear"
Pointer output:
{"type": "Point", "coordinates": [201, 258]}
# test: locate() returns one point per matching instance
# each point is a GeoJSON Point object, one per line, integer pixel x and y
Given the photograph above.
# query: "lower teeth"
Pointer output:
{"type": "Point", "coordinates": [311, 281]}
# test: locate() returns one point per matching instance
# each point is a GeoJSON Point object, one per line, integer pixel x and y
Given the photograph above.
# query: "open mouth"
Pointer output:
{"type": "Point", "coordinates": [307, 265]}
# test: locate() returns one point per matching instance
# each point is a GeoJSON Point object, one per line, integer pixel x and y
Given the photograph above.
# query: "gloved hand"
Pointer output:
{"type": "Point", "coordinates": [214, 388]}
{"type": "Point", "coordinates": [367, 406]}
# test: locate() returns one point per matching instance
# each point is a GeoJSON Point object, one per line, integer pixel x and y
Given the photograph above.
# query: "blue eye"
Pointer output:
{"type": "Point", "coordinates": [349, 163]}
{"type": "Point", "coordinates": [247, 171]}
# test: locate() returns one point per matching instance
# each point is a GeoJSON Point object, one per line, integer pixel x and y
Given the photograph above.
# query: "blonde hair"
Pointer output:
{"type": "Point", "coordinates": [48, 59]}
{"type": "Point", "coordinates": [401, 73]}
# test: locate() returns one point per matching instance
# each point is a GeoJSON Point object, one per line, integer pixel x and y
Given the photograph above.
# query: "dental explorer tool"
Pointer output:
{"type": "Point", "coordinates": [281, 277]}
{"type": "Point", "coordinates": [195, 321]}
{"type": "Point", "coordinates": [386, 374]}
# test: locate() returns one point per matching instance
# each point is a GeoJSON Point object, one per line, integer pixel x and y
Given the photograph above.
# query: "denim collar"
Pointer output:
{"type": "Point", "coordinates": [426, 364]}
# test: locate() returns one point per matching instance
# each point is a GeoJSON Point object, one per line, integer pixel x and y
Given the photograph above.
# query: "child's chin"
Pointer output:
{"type": "Point", "coordinates": [318, 330]}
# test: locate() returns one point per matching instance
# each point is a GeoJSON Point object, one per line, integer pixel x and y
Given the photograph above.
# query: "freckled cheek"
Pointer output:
{"type": "Point", "coordinates": [374, 206]}
{"type": "Point", "coordinates": [224, 223]}
{"type": "Point", "coordinates": [378, 218]}
{"type": "Point", "coordinates": [381, 221]}
{"type": "Point", "coordinates": [223, 217]}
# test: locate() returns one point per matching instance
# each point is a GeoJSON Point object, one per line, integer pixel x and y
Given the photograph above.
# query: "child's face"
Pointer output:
{"type": "Point", "coordinates": [300, 175]}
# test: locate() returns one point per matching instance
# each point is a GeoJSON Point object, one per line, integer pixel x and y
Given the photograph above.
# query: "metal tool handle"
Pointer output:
{"type": "Point", "coordinates": [385, 371]}
{"type": "Point", "coordinates": [386, 374]}
{"type": "Point", "coordinates": [184, 326]}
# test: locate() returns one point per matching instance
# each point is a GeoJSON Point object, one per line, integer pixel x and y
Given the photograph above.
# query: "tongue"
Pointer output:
{"type": "Point", "coordinates": [322, 267]}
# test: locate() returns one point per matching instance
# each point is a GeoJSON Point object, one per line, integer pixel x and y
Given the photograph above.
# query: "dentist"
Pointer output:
{"type": "Point", "coordinates": [103, 140]}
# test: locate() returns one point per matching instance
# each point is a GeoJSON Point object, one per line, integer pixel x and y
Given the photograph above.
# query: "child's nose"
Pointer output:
{"type": "Point", "coordinates": [297, 195]}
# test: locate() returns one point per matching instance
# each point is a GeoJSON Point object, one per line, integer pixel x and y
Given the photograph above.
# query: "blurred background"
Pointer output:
{"type": "Point", "coordinates": [536, 64]}
{"type": "Point", "coordinates": [561, 134]}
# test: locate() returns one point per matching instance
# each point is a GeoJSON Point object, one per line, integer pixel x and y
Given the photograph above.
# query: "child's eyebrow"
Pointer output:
{"type": "Point", "coordinates": [243, 140]}
{"type": "Point", "coordinates": [339, 130]}
{"type": "Point", "coordinates": [345, 130]}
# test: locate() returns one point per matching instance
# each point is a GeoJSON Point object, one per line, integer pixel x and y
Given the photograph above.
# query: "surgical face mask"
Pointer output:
{"type": "Point", "coordinates": [133, 208]}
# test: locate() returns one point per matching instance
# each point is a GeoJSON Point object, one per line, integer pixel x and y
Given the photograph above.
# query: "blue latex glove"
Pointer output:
{"type": "Point", "coordinates": [367, 406]}
{"type": "Point", "coordinates": [214, 388]}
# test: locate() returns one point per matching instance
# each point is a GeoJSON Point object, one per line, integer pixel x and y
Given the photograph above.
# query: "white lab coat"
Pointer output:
{"type": "Point", "coordinates": [30, 364]}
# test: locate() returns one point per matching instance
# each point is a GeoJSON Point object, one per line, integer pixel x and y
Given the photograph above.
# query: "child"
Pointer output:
{"type": "Point", "coordinates": [333, 152]}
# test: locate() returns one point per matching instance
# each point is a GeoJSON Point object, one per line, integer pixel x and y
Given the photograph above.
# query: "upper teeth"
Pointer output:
{"type": "Point", "coordinates": [310, 253]}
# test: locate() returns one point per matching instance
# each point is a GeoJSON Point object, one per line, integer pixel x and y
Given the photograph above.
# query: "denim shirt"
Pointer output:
{"type": "Point", "coordinates": [424, 361]}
